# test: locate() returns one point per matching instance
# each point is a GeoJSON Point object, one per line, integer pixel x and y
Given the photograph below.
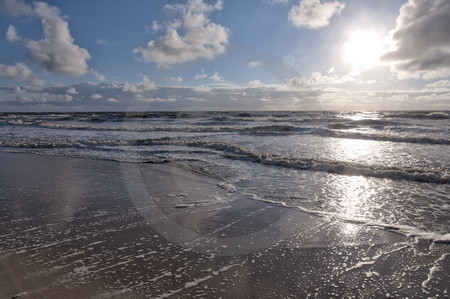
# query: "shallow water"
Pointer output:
{"type": "Point", "coordinates": [385, 169]}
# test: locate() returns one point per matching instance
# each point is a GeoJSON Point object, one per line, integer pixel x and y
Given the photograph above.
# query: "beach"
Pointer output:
{"type": "Point", "coordinates": [225, 149]}
{"type": "Point", "coordinates": [77, 227]}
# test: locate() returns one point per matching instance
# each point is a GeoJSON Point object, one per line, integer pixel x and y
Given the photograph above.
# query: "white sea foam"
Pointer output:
{"type": "Point", "coordinates": [258, 151]}
{"type": "Point", "coordinates": [433, 270]}
{"type": "Point", "coordinates": [406, 230]}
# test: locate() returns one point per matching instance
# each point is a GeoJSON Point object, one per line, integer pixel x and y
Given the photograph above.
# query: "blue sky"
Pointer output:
{"type": "Point", "coordinates": [224, 55]}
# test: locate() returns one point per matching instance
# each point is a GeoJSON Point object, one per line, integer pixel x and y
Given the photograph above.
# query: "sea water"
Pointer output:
{"type": "Point", "coordinates": [384, 169]}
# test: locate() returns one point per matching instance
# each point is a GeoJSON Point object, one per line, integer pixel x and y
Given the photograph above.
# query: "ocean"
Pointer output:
{"type": "Point", "coordinates": [384, 169]}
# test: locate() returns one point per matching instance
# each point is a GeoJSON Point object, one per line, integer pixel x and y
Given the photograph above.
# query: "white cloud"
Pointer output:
{"type": "Point", "coordinates": [154, 27]}
{"type": "Point", "coordinates": [11, 35]}
{"type": "Point", "coordinates": [71, 90]}
{"type": "Point", "coordinates": [202, 75]}
{"type": "Point", "coordinates": [422, 40]}
{"type": "Point", "coordinates": [432, 97]}
{"type": "Point", "coordinates": [275, 2]}
{"type": "Point", "coordinates": [57, 52]}
{"type": "Point", "coordinates": [331, 70]}
{"type": "Point", "coordinates": [102, 41]}
{"type": "Point", "coordinates": [216, 77]}
{"type": "Point", "coordinates": [201, 89]}
{"type": "Point", "coordinates": [297, 82]}
{"type": "Point", "coordinates": [318, 78]}
{"type": "Point", "coordinates": [144, 85]}
{"type": "Point", "coordinates": [175, 79]}
{"type": "Point", "coordinates": [188, 38]}
{"type": "Point", "coordinates": [313, 13]}
{"type": "Point", "coordinates": [67, 98]}
{"type": "Point", "coordinates": [440, 83]}
{"type": "Point", "coordinates": [15, 8]}
{"type": "Point", "coordinates": [273, 97]}
{"type": "Point", "coordinates": [96, 96]}
{"type": "Point", "coordinates": [255, 83]}
{"type": "Point", "coordinates": [17, 72]}
{"type": "Point", "coordinates": [254, 63]}
{"type": "Point", "coordinates": [97, 75]}
{"type": "Point", "coordinates": [18, 90]}
{"type": "Point", "coordinates": [348, 78]}
{"type": "Point", "coordinates": [150, 100]}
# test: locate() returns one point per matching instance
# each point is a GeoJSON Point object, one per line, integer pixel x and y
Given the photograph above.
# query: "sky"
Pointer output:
{"type": "Point", "coordinates": [115, 55]}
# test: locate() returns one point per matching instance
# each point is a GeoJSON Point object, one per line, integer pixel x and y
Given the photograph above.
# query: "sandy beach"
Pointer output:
{"type": "Point", "coordinates": [76, 228]}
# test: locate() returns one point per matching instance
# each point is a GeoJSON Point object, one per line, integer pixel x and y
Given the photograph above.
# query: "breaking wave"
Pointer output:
{"type": "Point", "coordinates": [235, 151]}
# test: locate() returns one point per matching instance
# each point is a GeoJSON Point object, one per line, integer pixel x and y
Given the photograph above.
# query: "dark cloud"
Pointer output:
{"type": "Point", "coordinates": [422, 40]}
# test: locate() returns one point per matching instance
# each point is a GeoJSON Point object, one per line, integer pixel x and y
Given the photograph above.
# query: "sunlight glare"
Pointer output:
{"type": "Point", "coordinates": [363, 49]}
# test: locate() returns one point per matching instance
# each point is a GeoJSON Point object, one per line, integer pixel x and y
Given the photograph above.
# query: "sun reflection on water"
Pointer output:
{"type": "Point", "coordinates": [356, 150]}
{"type": "Point", "coordinates": [356, 195]}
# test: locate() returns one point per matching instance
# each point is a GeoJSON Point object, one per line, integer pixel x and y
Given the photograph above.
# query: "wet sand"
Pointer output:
{"type": "Point", "coordinates": [79, 228]}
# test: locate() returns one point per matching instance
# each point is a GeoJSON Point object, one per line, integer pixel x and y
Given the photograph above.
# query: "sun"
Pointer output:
{"type": "Point", "coordinates": [363, 49]}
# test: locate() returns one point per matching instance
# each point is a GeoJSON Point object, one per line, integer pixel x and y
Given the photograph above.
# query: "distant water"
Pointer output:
{"type": "Point", "coordinates": [387, 169]}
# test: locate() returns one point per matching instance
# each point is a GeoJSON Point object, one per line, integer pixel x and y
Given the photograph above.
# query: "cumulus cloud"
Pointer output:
{"type": "Point", "coordinates": [254, 63]}
{"type": "Point", "coordinates": [155, 27]}
{"type": "Point", "coordinates": [202, 75]}
{"type": "Point", "coordinates": [97, 75]}
{"type": "Point", "coordinates": [144, 85]}
{"type": "Point", "coordinates": [318, 78]}
{"type": "Point", "coordinates": [12, 36]}
{"type": "Point", "coordinates": [190, 37]}
{"type": "Point", "coordinates": [17, 72]}
{"type": "Point", "coordinates": [297, 82]}
{"type": "Point", "coordinates": [255, 83]}
{"type": "Point", "coordinates": [96, 96]}
{"type": "Point", "coordinates": [313, 13]}
{"type": "Point", "coordinates": [56, 52]}
{"type": "Point", "coordinates": [71, 90]}
{"type": "Point", "coordinates": [15, 8]}
{"type": "Point", "coordinates": [422, 40]}
{"type": "Point", "coordinates": [18, 90]}
{"type": "Point", "coordinates": [216, 77]}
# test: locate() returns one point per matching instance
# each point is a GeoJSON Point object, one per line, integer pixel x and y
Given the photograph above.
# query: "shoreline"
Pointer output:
{"type": "Point", "coordinates": [81, 227]}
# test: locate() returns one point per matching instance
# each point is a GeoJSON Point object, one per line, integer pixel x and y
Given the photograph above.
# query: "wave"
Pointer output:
{"type": "Point", "coordinates": [390, 138]}
{"type": "Point", "coordinates": [420, 115]}
{"type": "Point", "coordinates": [349, 124]}
{"type": "Point", "coordinates": [234, 151]}
{"type": "Point", "coordinates": [271, 129]}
